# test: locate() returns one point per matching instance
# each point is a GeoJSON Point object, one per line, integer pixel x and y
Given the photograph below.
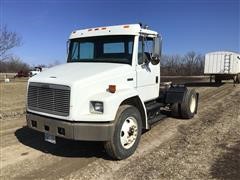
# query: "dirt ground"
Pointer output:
{"type": "Point", "coordinates": [206, 147]}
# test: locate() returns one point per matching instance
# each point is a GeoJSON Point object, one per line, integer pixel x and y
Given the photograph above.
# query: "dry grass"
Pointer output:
{"type": "Point", "coordinates": [13, 97]}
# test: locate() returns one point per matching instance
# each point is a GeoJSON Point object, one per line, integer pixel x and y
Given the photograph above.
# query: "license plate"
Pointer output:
{"type": "Point", "coordinates": [50, 138]}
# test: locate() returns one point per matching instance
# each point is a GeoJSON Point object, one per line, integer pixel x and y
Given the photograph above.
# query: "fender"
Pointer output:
{"type": "Point", "coordinates": [112, 101]}
{"type": "Point", "coordinates": [174, 94]}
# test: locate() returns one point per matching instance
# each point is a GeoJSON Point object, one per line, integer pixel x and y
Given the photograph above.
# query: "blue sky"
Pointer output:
{"type": "Point", "coordinates": [186, 25]}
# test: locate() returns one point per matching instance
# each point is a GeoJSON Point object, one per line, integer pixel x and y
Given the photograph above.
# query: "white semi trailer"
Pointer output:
{"type": "Point", "coordinates": [222, 65]}
{"type": "Point", "coordinates": [109, 90]}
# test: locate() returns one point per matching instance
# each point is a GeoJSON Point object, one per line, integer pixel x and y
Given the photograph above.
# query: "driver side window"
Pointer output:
{"type": "Point", "coordinates": [145, 49]}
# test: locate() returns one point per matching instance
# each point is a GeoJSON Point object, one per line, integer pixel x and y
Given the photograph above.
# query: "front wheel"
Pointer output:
{"type": "Point", "coordinates": [127, 133]}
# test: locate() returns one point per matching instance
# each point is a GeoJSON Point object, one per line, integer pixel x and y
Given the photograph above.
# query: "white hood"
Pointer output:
{"type": "Point", "coordinates": [69, 73]}
{"type": "Point", "coordinates": [88, 82]}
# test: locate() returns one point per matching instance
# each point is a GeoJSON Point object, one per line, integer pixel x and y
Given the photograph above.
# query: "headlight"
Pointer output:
{"type": "Point", "coordinates": [96, 107]}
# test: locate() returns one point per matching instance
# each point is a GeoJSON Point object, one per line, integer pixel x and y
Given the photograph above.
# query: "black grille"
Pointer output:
{"type": "Point", "coordinates": [49, 98]}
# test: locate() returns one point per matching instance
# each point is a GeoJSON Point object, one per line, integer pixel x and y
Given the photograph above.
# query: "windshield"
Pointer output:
{"type": "Point", "coordinates": [110, 49]}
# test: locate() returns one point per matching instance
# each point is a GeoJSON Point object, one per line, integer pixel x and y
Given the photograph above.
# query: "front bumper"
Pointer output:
{"type": "Point", "coordinates": [87, 131]}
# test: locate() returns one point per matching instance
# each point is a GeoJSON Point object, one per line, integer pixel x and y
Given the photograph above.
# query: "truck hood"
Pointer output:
{"type": "Point", "coordinates": [69, 73]}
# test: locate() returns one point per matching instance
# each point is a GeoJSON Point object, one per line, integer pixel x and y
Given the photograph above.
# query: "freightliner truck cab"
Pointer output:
{"type": "Point", "coordinates": [109, 90]}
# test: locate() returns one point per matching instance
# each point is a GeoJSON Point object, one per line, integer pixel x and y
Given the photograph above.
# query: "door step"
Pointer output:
{"type": "Point", "coordinates": [153, 106]}
{"type": "Point", "coordinates": [156, 119]}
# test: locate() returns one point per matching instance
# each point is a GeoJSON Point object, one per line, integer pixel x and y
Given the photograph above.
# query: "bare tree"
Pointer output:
{"type": "Point", "coordinates": [187, 65]}
{"type": "Point", "coordinates": [13, 65]}
{"type": "Point", "coordinates": [8, 40]}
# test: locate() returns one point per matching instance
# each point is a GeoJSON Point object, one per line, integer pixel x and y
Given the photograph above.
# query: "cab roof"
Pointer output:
{"type": "Point", "coordinates": [129, 29]}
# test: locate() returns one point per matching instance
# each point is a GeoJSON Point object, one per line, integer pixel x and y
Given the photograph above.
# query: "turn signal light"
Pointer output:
{"type": "Point", "coordinates": [112, 88]}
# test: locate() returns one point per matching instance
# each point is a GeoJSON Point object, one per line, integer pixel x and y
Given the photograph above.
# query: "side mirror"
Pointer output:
{"type": "Point", "coordinates": [155, 59]}
{"type": "Point", "coordinates": [157, 50]}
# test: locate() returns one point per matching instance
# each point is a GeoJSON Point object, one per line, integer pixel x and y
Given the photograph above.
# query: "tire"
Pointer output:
{"type": "Point", "coordinates": [189, 104]}
{"type": "Point", "coordinates": [238, 78]}
{"type": "Point", "coordinates": [218, 80]}
{"type": "Point", "coordinates": [210, 79]}
{"type": "Point", "coordinates": [127, 122]}
{"type": "Point", "coordinates": [175, 110]}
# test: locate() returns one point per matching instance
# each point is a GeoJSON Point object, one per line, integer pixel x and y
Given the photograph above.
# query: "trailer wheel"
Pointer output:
{"type": "Point", "coordinates": [238, 78]}
{"type": "Point", "coordinates": [218, 79]}
{"type": "Point", "coordinates": [189, 104]}
{"type": "Point", "coordinates": [127, 133]}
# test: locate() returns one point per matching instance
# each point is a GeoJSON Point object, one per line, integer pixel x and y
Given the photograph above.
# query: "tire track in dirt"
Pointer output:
{"type": "Point", "coordinates": [32, 148]}
{"type": "Point", "coordinates": [163, 132]}
{"type": "Point", "coordinates": [68, 159]}
{"type": "Point", "coordinates": [224, 90]}
{"type": "Point", "coordinates": [190, 154]}
{"type": "Point", "coordinates": [153, 140]}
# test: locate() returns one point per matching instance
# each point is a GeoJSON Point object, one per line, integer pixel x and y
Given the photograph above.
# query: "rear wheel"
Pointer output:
{"type": "Point", "coordinates": [127, 133]}
{"type": "Point", "coordinates": [188, 107]}
{"type": "Point", "coordinates": [175, 110]}
{"type": "Point", "coordinates": [189, 104]}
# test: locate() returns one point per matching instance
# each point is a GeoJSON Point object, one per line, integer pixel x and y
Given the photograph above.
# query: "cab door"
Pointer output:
{"type": "Point", "coordinates": [148, 75]}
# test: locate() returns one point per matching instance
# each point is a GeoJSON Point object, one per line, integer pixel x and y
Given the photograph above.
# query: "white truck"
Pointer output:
{"type": "Point", "coordinates": [109, 90]}
{"type": "Point", "coordinates": [36, 71]}
{"type": "Point", "coordinates": [222, 65]}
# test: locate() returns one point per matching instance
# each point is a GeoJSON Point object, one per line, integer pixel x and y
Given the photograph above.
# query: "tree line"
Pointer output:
{"type": "Point", "coordinates": [189, 64]}
{"type": "Point", "coordinates": [13, 65]}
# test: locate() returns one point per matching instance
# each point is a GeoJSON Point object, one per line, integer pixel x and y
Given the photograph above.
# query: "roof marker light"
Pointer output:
{"type": "Point", "coordinates": [96, 29]}
{"type": "Point", "coordinates": [89, 29]}
{"type": "Point", "coordinates": [126, 26]}
{"type": "Point", "coordinates": [103, 28]}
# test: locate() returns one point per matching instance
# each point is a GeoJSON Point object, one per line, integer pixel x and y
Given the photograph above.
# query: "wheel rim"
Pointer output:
{"type": "Point", "coordinates": [193, 104]}
{"type": "Point", "coordinates": [129, 132]}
